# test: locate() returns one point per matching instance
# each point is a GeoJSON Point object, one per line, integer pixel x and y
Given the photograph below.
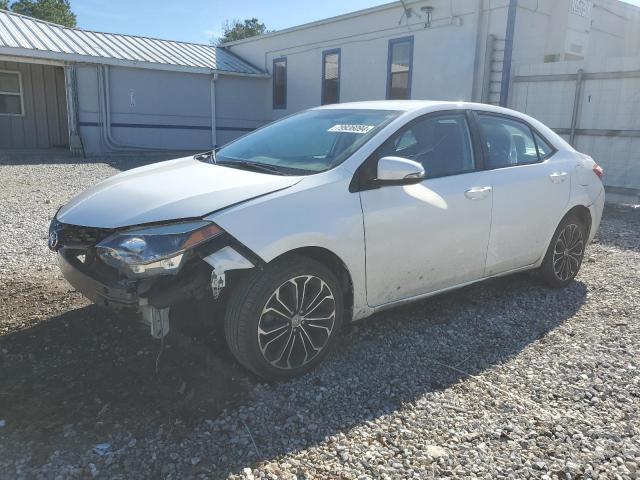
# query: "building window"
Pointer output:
{"type": "Point", "coordinates": [10, 93]}
{"type": "Point", "coordinates": [399, 68]}
{"type": "Point", "coordinates": [280, 83]}
{"type": "Point", "coordinates": [331, 76]}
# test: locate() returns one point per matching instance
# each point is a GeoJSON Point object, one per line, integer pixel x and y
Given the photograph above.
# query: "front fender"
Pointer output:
{"type": "Point", "coordinates": [318, 212]}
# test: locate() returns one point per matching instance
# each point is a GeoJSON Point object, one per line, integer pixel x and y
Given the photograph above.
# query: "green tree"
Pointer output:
{"type": "Point", "coordinates": [55, 11]}
{"type": "Point", "coordinates": [4, 4]}
{"type": "Point", "coordinates": [237, 30]}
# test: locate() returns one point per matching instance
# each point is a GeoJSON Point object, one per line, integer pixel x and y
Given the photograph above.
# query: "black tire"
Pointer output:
{"type": "Point", "coordinates": [252, 304]}
{"type": "Point", "coordinates": [565, 253]}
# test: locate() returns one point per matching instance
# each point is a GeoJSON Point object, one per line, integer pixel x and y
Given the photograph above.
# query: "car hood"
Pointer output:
{"type": "Point", "coordinates": [183, 188]}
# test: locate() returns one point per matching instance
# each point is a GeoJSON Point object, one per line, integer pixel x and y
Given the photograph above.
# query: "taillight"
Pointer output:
{"type": "Point", "coordinates": [597, 169]}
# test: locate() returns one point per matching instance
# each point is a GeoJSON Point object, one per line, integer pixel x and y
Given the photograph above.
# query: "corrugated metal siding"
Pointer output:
{"type": "Point", "coordinates": [44, 123]}
{"type": "Point", "coordinates": [17, 31]}
{"type": "Point", "coordinates": [608, 115]}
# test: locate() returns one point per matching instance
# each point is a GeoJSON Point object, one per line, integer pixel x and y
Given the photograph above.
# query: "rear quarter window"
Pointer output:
{"type": "Point", "coordinates": [545, 150]}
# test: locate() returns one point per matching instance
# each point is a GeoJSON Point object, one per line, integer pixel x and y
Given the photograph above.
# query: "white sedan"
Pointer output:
{"type": "Point", "coordinates": [328, 216]}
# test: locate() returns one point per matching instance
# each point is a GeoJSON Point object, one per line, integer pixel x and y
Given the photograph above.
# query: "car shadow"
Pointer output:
{"type": "Point", "coordinates": [79, 376]}
{"type": "Point", "coordinates": [85, 376]}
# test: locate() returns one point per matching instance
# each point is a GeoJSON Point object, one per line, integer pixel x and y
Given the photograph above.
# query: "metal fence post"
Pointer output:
{"type": "Point", "coordinates": [576, 107]}
{"type": "Point", "coordinates": [71, 87]}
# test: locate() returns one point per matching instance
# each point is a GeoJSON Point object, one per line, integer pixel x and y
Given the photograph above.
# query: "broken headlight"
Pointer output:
{"type": "Point", "coordinates": [161, 249]}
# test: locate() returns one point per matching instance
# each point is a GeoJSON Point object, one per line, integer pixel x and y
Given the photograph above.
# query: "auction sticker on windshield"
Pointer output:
{"type": "Point", "coordinates": [351, 128]}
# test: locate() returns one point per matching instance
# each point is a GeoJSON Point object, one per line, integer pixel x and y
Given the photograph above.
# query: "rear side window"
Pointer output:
{"type": "Point", "coordinates": [508, 142]}
{"type": "Point", "coordinates": [544, 149]}
{"type": "Point", "coordinates": [441, 143]}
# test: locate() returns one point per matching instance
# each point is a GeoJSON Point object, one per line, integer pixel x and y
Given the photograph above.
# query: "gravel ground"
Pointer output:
{"type": "Point", "coordinates": [506, 379]}
{"type": "Point", "coordinates": [31, 193]}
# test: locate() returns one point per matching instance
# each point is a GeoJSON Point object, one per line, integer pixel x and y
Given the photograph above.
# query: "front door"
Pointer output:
{"type": "Point", "coordinates": [432, 235]}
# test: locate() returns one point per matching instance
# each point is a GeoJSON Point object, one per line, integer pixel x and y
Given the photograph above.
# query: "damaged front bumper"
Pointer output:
{"type": "Point", "coordinates": [116, 295]}
{"type": "Point", "coordinates": [205, 274]}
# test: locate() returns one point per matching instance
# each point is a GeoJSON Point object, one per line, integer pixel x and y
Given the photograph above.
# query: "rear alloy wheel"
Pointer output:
{"type": "Point", "coordinates": [282, 321]}
{"type": "Point", "coordinates": [564, 256]}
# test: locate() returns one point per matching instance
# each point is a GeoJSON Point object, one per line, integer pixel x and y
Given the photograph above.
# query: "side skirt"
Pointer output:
{"type": "Point", "coordinates": [396, 303]}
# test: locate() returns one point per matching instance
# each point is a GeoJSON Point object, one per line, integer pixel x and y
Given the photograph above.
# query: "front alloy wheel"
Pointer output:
{"type": "Point", "coordinates": [281, 321]}
{"type": "Point", "coordinates": [296, 322]}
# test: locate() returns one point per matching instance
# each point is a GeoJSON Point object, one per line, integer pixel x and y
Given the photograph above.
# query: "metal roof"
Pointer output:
{"type": "Point", "coordinates": [26, 36]}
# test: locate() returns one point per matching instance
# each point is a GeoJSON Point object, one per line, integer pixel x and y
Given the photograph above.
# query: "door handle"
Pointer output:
{"type": "Point", "coordinates": [558, 177]}
{"type": "Point", "coordinates": [477, 193]}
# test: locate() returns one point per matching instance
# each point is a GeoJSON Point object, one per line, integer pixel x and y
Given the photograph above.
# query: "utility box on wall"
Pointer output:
{"type": "Point", "coordinates": [570, 40]}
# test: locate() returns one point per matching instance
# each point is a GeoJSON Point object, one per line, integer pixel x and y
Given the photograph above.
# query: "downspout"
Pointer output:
{"type": "Point", "coordinates": [476, 59]}
{"type": "Point", "coordinates": [214, 136]}
{"type": "Point", "coordinates": [508, 52]}
{"type": "Point", "coordinates": [71, 86]}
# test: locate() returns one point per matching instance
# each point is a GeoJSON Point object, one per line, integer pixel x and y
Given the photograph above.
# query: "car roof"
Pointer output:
{"type": "Point", "coordinates": [417, 105]}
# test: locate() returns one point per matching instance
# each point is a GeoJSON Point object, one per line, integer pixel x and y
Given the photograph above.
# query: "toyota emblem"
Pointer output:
{"type": "Point", "coordinates": [53, 240]}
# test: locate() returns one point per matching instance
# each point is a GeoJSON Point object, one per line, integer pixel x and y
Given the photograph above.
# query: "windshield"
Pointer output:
{"type": "Point", "coordinates": [308, 142]}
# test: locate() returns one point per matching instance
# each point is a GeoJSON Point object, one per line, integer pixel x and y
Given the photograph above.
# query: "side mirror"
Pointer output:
{"type": "Point", "coordinates": [399, 171]}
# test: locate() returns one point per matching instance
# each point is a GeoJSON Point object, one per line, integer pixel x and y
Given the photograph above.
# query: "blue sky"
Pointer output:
{"type": "Point", "coordinates": [200, 20]}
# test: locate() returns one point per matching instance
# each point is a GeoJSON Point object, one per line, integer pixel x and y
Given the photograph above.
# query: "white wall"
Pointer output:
{"type": "Point", "coordinates": [445, 63]}
{"type": "Point", "coordinates": [179, 103]}
{"type": "Point", "coordinates": [609, 28]}
{"type": "Point", "coordinates": [241, 106]}
{"type": "Point", "coordinates": [444, 55]}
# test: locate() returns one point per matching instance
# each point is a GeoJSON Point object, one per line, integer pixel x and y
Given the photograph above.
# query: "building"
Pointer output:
{"type": "Point", "coordinates": [573, 64]}
{"type": "Point", "coordinates": [434, 49]}
{"type": "Point", "coordinates": [554, 59]}
{"type": "Point", "coordinates": [102, 92]}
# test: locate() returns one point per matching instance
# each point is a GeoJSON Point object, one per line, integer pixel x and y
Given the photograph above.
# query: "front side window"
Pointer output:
{"type": "Point", "coordinates": [280, 83]}
{"type": "Point", "coordinates": [10, 93]}
{"type": "Point", "coordinates": [441, 143]}
{"type": "Point", "coordinates": [508, 142]}
{"type": "Point", "coordinates": [399, 68]}
{"type": "Point", "coordinates": [308, 142]}
{"type": "Point", "coordinates": [331, 76]}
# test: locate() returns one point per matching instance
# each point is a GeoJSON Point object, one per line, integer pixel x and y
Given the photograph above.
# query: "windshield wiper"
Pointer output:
{"type": "Point", "coordinates": [255, 166]}
{"type": "Point", "coordinates": [209, 156]}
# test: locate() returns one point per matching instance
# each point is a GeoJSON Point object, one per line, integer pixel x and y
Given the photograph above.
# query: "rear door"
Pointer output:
{"type": "Point", "coordinates": [432, 235]}
{"type": "Point", "coordinates": [531, 189]}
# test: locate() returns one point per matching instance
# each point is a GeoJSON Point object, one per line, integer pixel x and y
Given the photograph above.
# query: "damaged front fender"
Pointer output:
{"type": "Point", "coordinates": [222, 261]}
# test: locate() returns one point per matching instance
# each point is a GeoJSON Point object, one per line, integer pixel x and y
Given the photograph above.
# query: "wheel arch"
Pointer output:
{"type": "Point", "coordinates": [583, 214]}
{"type": "Point", "coordinates": [333, 262]}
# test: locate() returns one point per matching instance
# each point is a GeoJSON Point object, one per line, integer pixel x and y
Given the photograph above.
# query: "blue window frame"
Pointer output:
{"type": "Point", "coordinates": [330, 76]}
{"type": "Point", "coordinates": [279, 73]}
{"type": "Point", "coordinates": [399, 68]}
